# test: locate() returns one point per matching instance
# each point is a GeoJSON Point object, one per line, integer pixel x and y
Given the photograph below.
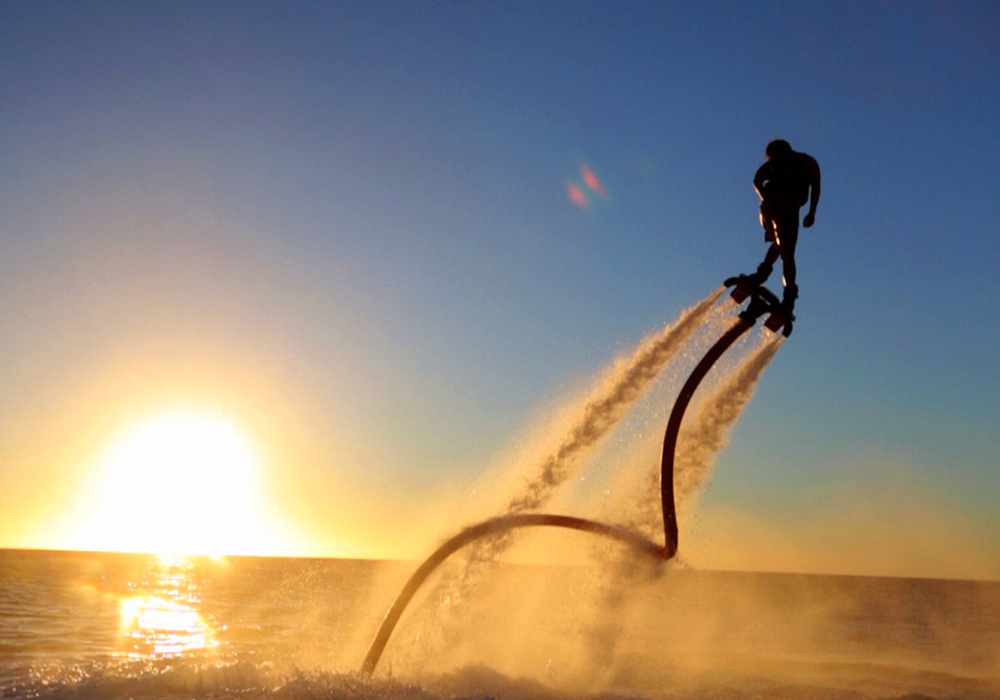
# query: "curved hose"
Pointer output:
{"type": "Point", "coordinates": [761, 301]}
{"type": "Point", "coordinates": [674, 426]}
{"type": "Point", "coordinates": [639, 543]}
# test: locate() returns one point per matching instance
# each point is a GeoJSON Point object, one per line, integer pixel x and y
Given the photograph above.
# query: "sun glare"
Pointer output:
{"type": "Point", "coordinates": [179, 483]}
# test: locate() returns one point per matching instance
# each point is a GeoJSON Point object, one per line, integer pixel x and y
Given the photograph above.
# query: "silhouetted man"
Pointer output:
{"type": "Point", "coordinates": [785, 182]}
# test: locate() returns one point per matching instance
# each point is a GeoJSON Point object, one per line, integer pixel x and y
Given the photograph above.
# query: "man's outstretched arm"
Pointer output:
{"type": "Point", "coordinates": [813, 193]}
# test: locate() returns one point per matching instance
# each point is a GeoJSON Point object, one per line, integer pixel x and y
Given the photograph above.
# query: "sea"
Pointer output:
{"type": "Point", "coordinates": [96, 626]}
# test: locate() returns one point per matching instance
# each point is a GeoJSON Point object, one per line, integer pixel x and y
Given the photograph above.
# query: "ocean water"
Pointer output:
{"type": "Point", "coordinates": [93, 626]}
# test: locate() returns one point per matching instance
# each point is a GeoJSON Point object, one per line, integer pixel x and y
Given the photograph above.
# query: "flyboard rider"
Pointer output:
{"type": "Point", "coordinates": [787, 180]}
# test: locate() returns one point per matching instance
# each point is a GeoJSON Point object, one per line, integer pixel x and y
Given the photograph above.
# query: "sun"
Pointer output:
{"type": "Point", "coordinates": [183, 483]}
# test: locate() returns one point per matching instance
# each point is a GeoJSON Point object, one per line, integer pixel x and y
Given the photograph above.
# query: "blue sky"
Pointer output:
{"type": "Point", "coordinates": [361, 208]}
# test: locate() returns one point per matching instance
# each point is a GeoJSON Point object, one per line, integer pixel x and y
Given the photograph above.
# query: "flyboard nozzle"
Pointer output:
{"type": "Point", "coordinates": [778, 319]}
{"type": "Point", "coordinates": [742, 288]}
{"type": "Point", "coordinates": [762, 301]}
{"type": "Point", "coordinates": [740, 293]}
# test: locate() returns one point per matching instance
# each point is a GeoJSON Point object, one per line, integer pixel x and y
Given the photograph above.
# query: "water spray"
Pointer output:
{"type": "Point", "coordinates": [762, 302]}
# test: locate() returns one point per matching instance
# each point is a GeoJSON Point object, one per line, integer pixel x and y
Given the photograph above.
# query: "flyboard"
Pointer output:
{"type": "Point", "coordinates": [762, 302]}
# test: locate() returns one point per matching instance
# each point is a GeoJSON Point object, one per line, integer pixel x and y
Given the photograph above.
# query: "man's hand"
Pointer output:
{"type": "Point", "coordinates": [809, 219]}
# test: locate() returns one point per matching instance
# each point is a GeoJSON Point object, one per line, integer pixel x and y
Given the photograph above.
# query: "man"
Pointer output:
{"type": "Point", "coordinates": [785, 182]}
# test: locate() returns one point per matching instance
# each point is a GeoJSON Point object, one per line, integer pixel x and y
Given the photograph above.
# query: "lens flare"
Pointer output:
{"type": "Point", "coordinates": [591, 181]}
{"type": "Point", "coordinates": [577, 196]}
{"type": "Point", "coordinates": [584, 187]}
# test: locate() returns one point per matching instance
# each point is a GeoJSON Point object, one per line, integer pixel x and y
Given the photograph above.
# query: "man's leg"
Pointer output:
{"type": "Point", "coordinates": [788, 264]}
{"type": "Point", "coordinates": [788, 235]}
{"type": "Point", "coordinates": [765, 268]}
{"type": "Point", "coordinates": [791, 292]}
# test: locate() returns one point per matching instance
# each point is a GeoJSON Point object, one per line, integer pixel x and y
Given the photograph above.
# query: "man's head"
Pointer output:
{"type": "Point", "coordinates": [777, 149]}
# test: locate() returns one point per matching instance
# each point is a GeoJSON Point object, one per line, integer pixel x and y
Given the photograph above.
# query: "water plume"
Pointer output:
{"type": "Point", "coordinates": [704, 433]}
{"type": "Point", "coordinates": [605, 405]}
{"type": "Point", "coordinates": [708, 430]}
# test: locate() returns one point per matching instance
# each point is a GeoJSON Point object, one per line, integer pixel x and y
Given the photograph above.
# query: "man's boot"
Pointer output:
{"type": "Point", "coordinates": [791, 294]}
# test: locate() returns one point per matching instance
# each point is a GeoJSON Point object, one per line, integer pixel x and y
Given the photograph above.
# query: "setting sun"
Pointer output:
{"type": "Point", "coordinates": [181, 482]}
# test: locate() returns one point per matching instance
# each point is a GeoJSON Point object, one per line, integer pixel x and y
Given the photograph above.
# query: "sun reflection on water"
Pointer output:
{"type": "Point", "coordinates": [163, 619]}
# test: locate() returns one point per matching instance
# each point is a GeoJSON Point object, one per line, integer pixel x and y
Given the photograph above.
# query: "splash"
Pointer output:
{"type": "Point", "coordinates": [599, 412]}
{"type": "Point", "coordinates": [638, 543]}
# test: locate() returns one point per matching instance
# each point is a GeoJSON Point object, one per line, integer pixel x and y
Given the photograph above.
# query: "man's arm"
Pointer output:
{"type": "Point", "coordinates": [759, 179]}
{"type": "Point", "coordinates": [813, 192]}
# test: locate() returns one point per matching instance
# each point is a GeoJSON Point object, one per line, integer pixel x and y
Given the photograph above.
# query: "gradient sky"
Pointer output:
{"type": "Point", "coordinates": [346, 226]}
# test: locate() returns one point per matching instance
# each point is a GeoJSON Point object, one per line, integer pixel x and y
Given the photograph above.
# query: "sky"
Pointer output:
{"type": "Point", "coordinates": [346, 230]}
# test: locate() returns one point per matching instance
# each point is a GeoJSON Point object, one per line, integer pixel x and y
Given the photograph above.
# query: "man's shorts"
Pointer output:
{"type": "Point", "coordinates": [781, 223]}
